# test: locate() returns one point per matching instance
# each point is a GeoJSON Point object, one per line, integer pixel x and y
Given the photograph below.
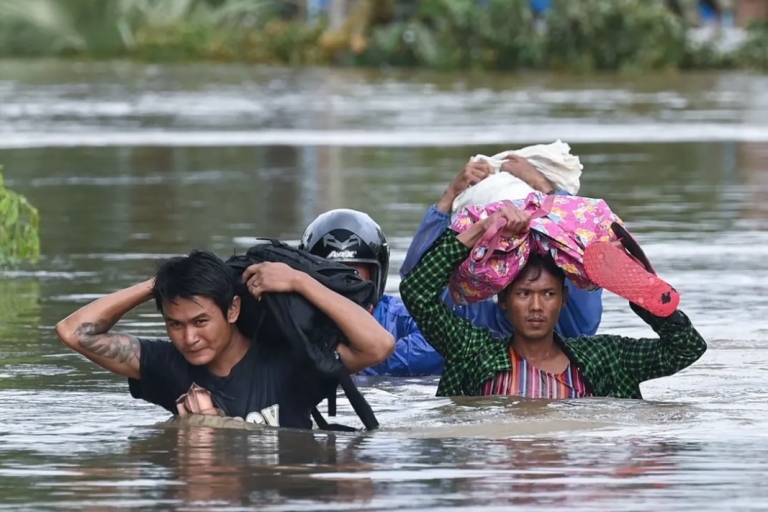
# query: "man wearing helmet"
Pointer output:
{"type": "Point", "coordinates": [354, 238]}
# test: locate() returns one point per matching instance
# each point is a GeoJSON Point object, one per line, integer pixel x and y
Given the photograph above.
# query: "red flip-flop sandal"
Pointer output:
{"type": "Point", "coordinates": [610, 267]}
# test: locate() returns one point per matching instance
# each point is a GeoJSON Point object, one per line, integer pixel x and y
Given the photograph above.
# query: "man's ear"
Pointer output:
{"type": "Point", "coordinates": [234, 310]}
{"type": "Point", "coordinates": [565, 296]}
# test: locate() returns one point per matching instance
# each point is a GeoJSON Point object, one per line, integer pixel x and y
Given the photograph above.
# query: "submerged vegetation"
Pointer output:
{"type": "Point", "coordinates": [588, 35]}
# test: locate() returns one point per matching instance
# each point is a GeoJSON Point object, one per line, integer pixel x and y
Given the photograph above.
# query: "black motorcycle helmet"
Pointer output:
{"type": "Point", "coordinates": [349, 236]}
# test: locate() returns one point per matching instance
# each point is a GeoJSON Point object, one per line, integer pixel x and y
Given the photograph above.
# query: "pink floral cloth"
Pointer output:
{"type": "Point", "coordinates": [562, 226]}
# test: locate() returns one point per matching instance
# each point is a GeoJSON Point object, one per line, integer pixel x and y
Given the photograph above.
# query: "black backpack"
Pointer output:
{"type": "Point", "coordinates": [291, 320]}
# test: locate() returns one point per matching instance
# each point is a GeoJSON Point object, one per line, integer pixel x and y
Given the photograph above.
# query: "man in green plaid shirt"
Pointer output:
{"type": "Point", "coordinates": [536, 362]}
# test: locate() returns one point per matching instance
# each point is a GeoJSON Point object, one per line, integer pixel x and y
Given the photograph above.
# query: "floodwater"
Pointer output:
{"type": "Point", "coordinates": [129, 163]}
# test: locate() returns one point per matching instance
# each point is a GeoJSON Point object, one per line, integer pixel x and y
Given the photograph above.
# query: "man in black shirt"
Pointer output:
{"type": "Point", "coordinates": [209, 367]}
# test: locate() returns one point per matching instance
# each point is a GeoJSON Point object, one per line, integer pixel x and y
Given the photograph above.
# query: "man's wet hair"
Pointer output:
{"type": "Point", "coordinates": [535, 266]}
{"type": "Point", "coordinates": [201, 274]}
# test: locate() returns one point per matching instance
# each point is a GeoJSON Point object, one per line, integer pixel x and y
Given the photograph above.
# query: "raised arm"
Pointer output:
{"type": "Point", "coordinates": [438, 217]}
{"type": "Point", "coordinates": [421, 292]}
{"type": "Point", "coordinates": [678, 346]}
{"type": "Point", "coordinates": [422, 289]}
{"type": "Point", "coordinates": [583, 310]}
{"type": "Point", "coordinates": [87, 330]}
{"type": "Point", "coordinates": [434, 224]}
{"type": "Point", "coordinates": [369, 342]}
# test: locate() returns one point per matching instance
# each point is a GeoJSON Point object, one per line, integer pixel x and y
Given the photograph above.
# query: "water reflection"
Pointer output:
{"type": "Point", "coordinates": [205, 468]}
{"type": "Point", "coordinates": [212, 467]}
{"type": "Point", "coordinates": [208, 467]}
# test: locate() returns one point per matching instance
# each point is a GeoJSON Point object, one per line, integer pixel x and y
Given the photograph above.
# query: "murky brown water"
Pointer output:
{"type": "Point", "coordinates": [130, 163]}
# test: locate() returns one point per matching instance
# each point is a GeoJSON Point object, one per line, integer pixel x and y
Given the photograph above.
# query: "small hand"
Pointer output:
{"type": "Point", "coordinates": [270, 277]}
{"type": "Point", "coordinates": [517, 220]}
{"type": "Point", "coordinates": [472, 174]}
{"type": "Point", "coordinates": [197, 401]}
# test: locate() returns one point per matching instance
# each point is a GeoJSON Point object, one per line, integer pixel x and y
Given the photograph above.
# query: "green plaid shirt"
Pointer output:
{"type": "Point", "coordinates": [610, 365]}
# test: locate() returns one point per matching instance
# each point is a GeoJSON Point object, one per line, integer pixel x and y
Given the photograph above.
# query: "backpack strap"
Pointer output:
{"type": "Point", "coordinates": [324, 425]}
{"type": "Point", "coordinates": [360, 405]}
{"type": "Point", "coordinates": [332, 404]}
{"type": "Point", "coordinates": [358, 401]}
{"type": "Point", "coordinates": [274, 242]}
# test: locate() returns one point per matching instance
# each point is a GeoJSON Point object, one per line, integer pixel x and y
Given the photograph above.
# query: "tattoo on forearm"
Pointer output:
{"type": "Point", "coordinates": [122, 347]}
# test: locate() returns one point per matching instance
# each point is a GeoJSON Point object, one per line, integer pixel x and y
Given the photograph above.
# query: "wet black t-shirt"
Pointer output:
{"type": "Point", "coordinates": [267, 386]}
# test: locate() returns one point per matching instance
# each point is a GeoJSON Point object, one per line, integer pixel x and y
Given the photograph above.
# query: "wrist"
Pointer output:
{"type": "Point", "coordinates": [299, 282]}
{"type": "Point", "coordinates": [445, 204]}
{"type": "Point", "coordinates": [472, 235]}
{"type": "Point", "coordinates": [147, 287]}
{"type": "Point", "coordinates": [511, 169]}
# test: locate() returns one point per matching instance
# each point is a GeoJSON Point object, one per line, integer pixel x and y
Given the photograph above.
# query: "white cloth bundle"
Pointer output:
{"type": "Point", "coordinates": [554, 161]}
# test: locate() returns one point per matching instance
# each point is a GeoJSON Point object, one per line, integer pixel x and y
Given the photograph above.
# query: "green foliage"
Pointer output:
{"type": "Point", "coordinates": [754, 53]}
{"type": "Point", "coordinates": [19, 228]}
{"type": "Point", "coordinates": [624, 35]}
{"type": "Point", "coordinates": [578, 35]}
{"type": "Point", "coordinates": [106, 28]}
{"type": "Point", "coordinates": [283, 42]}
{"type": "Point", "coordinates": [407, 44]}
{"type": "Point", "coordinates": [20, 39]}
{"type": "Point", "coordinates": [451, 34]}
{"type": "Point", "coordinates": [173, 41]}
